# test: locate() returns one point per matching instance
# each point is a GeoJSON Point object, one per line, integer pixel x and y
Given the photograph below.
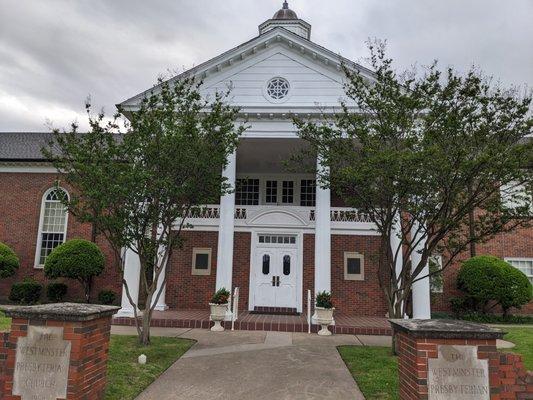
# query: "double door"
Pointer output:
{"type": "Point", "coordinates": [276, 276]}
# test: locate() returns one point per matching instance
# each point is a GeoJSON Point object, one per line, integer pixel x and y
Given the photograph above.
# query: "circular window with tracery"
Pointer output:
{"type": "Point", "coordinates": [278, 88]}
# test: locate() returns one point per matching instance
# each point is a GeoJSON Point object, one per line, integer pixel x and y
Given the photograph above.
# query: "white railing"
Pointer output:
{"type": "Point", "coordinates": [341, 217]}
{"type": "Point", "coordinates": [348, 215]}
{"type": "Point", "coordinates": [235, 310]}
{"type": "Point", "coordinates": [309, 311]}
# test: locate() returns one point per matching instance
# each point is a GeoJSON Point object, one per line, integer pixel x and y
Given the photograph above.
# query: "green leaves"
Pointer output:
{"type": "Point", "coordinates": [434, 148]}
{"type": "Point", "coordinates": [9, 261]}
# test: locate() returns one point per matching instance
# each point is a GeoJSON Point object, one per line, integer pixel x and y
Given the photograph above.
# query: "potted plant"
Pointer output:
{"type": "Point", "coordinates": [324, 312]}
{"type": "Point", "coordinates": [219, 307]}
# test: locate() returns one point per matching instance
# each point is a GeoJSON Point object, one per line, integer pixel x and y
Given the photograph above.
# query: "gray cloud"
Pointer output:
{"type": "Point", "coordinates": [54, 53]}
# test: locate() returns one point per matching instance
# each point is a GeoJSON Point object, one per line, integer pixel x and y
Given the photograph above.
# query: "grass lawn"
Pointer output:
{"type": "Point", "coordinates": [126, 378]}
{"type": "Point", "coordinates": [523, 339]}
{"type": "Point", "coordinates": [5, 322]}
{"type": "Point", "coordinates": [375, 370]}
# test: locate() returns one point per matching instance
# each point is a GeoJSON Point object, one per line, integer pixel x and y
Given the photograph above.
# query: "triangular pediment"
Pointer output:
{"type": "Point", "coordinates": [315, 73]}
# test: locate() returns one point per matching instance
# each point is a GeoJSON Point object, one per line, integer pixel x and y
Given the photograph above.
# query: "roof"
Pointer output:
{"type": "Point", "coordinates": [23, 146]}
{"type": "Point", "coordinates": [247, 49]}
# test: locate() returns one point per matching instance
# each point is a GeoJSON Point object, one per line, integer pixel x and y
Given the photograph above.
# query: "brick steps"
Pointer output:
{"type": "Point", "coordinates": [262, 322]}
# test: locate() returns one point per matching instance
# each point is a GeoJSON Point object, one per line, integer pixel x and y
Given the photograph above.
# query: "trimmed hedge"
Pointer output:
{"type": "Point", "coordinates": [26, 292]}
{"type": "Point", "coordinates": [9, 261]}
{"type": "Point", "coordinates": [56, 292]}
{"type": "Point", "coordinates": [76, 259]}
{"type": "Point", "coordinates": [490, 280]}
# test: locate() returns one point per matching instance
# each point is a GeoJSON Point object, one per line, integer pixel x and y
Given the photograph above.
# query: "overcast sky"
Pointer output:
{"type": "Point", "coordinates": [55, 53]}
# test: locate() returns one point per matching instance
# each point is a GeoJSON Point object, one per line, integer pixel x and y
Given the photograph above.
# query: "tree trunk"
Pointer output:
{"type": "Point", "coordinates": [87, 289]}
{"type": "Point", "coordinates": [146, 319]}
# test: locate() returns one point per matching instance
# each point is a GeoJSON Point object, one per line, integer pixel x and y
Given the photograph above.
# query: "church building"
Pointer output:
{"type": "Point", "coordinates": [279, 234]}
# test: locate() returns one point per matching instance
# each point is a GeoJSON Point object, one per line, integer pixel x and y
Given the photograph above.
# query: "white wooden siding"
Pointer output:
{"type": "Point", "coordinates": [313, 85]}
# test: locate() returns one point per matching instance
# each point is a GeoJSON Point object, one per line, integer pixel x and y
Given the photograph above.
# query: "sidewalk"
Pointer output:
{"type": "Point", "coordinates": [256, 365]}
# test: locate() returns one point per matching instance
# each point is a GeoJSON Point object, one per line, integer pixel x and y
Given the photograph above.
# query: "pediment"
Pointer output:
{"type": "Point", "coordinates": [278, 51]}
{"type": "Point", "coordinates": [273, 218]}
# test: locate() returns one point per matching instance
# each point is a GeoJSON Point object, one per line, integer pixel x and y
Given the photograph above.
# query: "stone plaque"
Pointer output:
{"type": "Point", "coordinates": [41, 365]}
{"type": "Point", "coordinates": [458, 375]}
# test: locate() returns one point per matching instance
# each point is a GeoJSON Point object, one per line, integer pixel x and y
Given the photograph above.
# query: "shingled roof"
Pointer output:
{"type": "Point", "coordinates": [23, 146]}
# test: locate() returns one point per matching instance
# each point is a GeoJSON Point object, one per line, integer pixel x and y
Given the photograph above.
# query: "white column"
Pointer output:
{"type": "Point", "coordinates": [395, 242]}
{"type": "Point", "coordinates": [421, 289]}
{"type": "Point", "coordinates": [322, 236]}
{"type": "Point", "coordinates": [132, 275]}
{"type": "Point", "coordinates": [227, 228]}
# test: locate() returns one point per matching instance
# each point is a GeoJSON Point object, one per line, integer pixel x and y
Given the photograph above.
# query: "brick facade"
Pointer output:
{"type": "Point", "coordinates": [20, 207]}
{"type": "Point", "coordinates": [508, 379]}
{"type": "Point", "coordinates": [517, 244]}
{"type": "Point", "coordinates": [88, 357]}
{"type": "Point", "coordinates": [20, 203]}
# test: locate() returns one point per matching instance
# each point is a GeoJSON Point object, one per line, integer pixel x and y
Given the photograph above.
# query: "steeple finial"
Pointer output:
{"type": "Point", "coordinates": [285, 5]}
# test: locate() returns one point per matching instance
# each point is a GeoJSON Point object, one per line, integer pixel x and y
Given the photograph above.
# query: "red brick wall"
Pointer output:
{"type": "Point", "coordinates": [241, 266]}
{"type": "Point", "coordinates": [185, 290]}
{"type": "Point", "coordinates": [518, 244]}
{"type": "Point", "coordinates": [413, 362]}
{"type": "Point", "coordinates": [88, 358]}
{"type": "Point", "coordinates": [4, 340]}
{"type": "Point", "coordinates": [20, 205]}
{"type": "Point", "coordinates": [508, 379]}
{"type": "Point", "coordinates": [357, 297]}
{"type": "Point", "coordinates": [308, 269]}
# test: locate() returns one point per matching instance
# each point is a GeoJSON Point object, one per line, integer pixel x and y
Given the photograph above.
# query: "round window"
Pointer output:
{"type": "Point", "coordinates": [278, 88]}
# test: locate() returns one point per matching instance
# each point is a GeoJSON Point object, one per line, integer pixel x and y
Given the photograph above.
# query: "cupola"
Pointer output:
{"type": "Point", "coordinates": [288, 19]}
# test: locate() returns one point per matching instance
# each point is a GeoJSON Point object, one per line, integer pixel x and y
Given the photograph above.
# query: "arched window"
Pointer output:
{"type": "Point", "coordinates": [52, 223]}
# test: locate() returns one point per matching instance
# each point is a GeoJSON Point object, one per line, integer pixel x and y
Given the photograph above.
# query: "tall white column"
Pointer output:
{"type": "Point", "coordinates": [227, 228]}
{"type": "Point", "coordinates": [132, 275]}
{"type": "Point", "coordinates": [322, 235]}
{"type": "Point", "coordinates": [395, 243]}
{"type": "Point", "coordinates": [421, 289]}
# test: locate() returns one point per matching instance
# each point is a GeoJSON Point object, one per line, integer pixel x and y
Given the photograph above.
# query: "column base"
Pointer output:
{"type": "Point", "coordinates": [161, 307]}
{"type": "Point", "coordinates": [125, 312]}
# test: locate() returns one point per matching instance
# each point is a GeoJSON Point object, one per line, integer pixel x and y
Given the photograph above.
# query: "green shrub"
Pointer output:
{"type": "Point", "coordinates": [107, 297]}
{"type": "Point", "coordinates": [76, 259]}
{"type": "Point", "coordinates": [323, 300]}
{"type": "Point", "coordinates": [9, 261]}
{"type": "Point", "coordinates": [488, 279]}
{"type": "Point", "coordinates": [220, 297]}
{"type": "Point", "coordinates": [26, 292]}
{"type": "Point", "coordinates": [56, 292]}
{"type": "Point", "coordinates": [498, 319]}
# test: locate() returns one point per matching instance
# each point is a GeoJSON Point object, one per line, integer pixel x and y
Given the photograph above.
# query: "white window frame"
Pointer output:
{"type": "Point", "coordinates": [195, 252]}
{"type": "Point", "coordinates": [354, 277]}
{"type": "Point", "coordinates": [520, 259]}
{"type": "Point", "coordinates": [40, 232]}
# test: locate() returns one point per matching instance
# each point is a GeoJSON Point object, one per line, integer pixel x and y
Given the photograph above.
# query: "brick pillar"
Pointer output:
{"type": "Point", "coordinates": [81, 341]}
{"type": "Point", "coordinates": [456, 351]}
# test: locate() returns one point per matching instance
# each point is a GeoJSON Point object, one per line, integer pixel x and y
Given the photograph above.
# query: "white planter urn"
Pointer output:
{"type": "Point", "coordinates": [218, 314]}
{"type": "Point", "coordinates": [324, 316]}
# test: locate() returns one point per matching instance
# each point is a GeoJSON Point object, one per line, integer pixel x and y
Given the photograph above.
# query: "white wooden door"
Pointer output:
{"type": "Point", "coordinates": [276, 275]}
{"type": "Point", "coordinates": [286, 289]}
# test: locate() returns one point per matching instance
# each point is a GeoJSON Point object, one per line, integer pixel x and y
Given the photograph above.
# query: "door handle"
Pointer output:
{"type": "Point", "coordinates": [273, 281]}
{"type": "Point", "coordinates": [278, 280]}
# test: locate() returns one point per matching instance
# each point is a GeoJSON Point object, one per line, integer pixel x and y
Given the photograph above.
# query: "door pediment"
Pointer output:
{"type": "Point", "coordinates": [281, 218]}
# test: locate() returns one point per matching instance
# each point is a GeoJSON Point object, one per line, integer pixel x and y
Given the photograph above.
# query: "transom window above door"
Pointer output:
{"type": "Point", "coordinates": [278, 239]}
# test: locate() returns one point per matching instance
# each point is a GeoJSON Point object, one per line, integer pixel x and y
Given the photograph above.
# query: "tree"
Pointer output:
{"type": "Point", "coordinates": [76, 259]}
{"type": "Point", "coordinates": [9, 261]}
{"type": "Point", "coordinates": [489, 279]}
{"type": "Point", "coordinates": [138, 188]}
{"type": "Point", "coordinates": [426, 157]}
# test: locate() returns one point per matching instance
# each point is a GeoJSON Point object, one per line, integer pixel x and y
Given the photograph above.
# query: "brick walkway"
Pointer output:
{"type": "Point", "coordinates": [344, 324]}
